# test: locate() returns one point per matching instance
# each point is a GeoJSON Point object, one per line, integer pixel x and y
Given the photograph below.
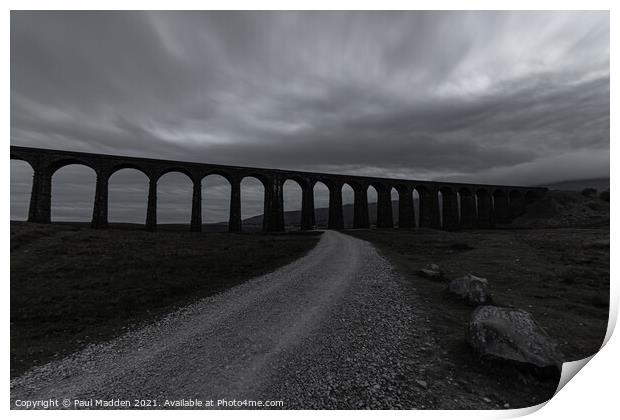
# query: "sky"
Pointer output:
{"type": "Point", "coordinates": [490, 97]}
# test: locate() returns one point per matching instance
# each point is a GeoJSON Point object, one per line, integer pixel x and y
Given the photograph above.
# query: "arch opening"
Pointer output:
{"type": "Point", "coordinates": [348, 202]}
{"type": "Point", "coordinates": [174, 200]}
{"type": "Point", "coordinates": [416, 208]}
{"type": "Point", "coordinates": [293, 196]}
{"type": "Point", "coordinates": [128, 192]}
{"type": "Point", "coordinates": [429, 207]}
{"type": "Point", "coordinates": [215, 203]}
{"type": "Point", "coordinates": [394, 203]}
{"type": "Point", "coordinates": [449, 208]}
{"type": "Point", "coordinates": [484, 208]}
{"type": "Point", "coordinates": [380, 206]}
{"type": "Point", "coordinates": [20, 189]}
{"type": "Point", "coordinates": [63, 163]}
{"type": "Point", "coordinates": [467, 208]}
{"type": "Point", "coordinates": [516, 203]}
{"type": "Point", "coordinates": [440, 207]}
{"type": "Point", "coordinates": [73, 193]}
{"type": "Point", "coordinates": [252, 203]}
{"type": "Point", "coordinates": [500, 207]}
{"type": "Point", "coordinates": [458, 207]}
{"type": "Point", "coordinates": [321, 204]}
{"type": "Point", "coordinates": [373, 201]}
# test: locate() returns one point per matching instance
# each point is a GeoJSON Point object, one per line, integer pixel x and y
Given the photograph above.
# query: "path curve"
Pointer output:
{"type": "Point", "coordinates": [326, 331]}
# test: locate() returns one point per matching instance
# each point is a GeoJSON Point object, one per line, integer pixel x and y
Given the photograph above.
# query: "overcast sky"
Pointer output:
{"type": "Point", "coordinates": [493, 97]}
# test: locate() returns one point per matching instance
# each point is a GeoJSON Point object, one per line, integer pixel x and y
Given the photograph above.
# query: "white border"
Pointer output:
{"type": "Point", "coordinates": [592, 394]}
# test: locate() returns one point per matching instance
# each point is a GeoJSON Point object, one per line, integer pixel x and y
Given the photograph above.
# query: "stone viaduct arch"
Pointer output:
{"type": "Point", "coordinates": [500, 206]}
{"type": "Point", "coordinates": [83, 180]}
{"type": "Point", "coordinates": [485, 208]}
{"type": "Point", "coordinates": [464, 205]}
{"type": "Point", "coordinates": [468, 209]}
{"type": "Point", "coordinates": [406, 212]}
{"type": "Point", "coordinates": [215, 175]}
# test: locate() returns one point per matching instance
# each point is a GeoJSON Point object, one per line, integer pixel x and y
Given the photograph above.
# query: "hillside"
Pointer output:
{"type": "Point", "coordinates": [566, 209]}
{"type": "Point", "coordinates": [600, 184]}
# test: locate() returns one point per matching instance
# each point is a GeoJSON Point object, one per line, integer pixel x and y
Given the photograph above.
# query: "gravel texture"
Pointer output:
{"type": "Point", "coordinates": [330, 330]}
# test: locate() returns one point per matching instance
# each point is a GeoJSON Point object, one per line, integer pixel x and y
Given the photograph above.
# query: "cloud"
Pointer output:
{"type": "Point", "coordinates": [508, 97]}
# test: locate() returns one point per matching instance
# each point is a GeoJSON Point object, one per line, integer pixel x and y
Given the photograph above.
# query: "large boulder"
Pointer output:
{"type": "Point", "coordinates": [512, 335]}
{"type": "Point", "coordinates": [474, 290]}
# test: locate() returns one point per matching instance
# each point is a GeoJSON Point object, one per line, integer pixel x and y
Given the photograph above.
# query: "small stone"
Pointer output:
{"type": "Point", "coordinates": [432, 272]}
{"type": "Point", "coordinates": [486, 399]}
{"type": "Point", "coordinates": [506, 405]}
{"type": "Point", "coordinates": [422, 383]}
{"type": "Point", "coordinates": [472, 289]}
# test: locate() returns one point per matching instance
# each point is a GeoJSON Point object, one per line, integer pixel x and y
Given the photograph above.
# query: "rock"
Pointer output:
{"type": "Point", "coordinates": [422, 383]}
{"type": "Point", "coordinates": [432, 272]}
{"type": "Point", "coordinates": [589, 192]}
{"type": "Point", "coordinates": [474, 290]}
{"type": "Point", "coordinates": [512, 335]}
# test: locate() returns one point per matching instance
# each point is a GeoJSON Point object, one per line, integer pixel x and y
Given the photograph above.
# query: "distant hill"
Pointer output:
{"type": "Point", "coordinates": [601, 184]}
{"type": "Point", "coordinates": [566, 209]}
{"type": "Point", "coordinates": [293, 218]}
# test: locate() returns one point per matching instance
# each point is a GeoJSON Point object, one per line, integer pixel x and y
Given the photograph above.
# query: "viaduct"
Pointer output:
{"type": "Point", "coordinates": [462, 205]}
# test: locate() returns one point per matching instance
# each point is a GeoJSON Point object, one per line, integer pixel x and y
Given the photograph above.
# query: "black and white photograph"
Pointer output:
{"type": "Point", "coordinates": [306, 209]}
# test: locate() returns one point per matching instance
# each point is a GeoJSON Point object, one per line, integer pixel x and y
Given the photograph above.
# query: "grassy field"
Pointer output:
{"type": "Point", "coordinates": [71, 286]}
{"type": "Point", "coordinates": [561, 276]}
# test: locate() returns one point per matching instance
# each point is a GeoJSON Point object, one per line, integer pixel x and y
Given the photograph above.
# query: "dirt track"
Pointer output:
{"type": "Point", "coordinates": [325, 331]}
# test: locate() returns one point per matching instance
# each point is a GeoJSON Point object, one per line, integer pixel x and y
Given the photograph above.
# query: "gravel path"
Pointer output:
{"type": "Point", "coordinates": [330, 330]}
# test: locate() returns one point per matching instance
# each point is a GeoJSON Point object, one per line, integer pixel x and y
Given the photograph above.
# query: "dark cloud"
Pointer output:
{"type": "Point", "coordinates": [511, 97]}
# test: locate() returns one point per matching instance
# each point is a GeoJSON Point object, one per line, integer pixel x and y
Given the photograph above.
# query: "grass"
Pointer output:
{"type": "Point", "coordinates": [72, 286]}
{"type": "Point", "coordinates": [561, 276]}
